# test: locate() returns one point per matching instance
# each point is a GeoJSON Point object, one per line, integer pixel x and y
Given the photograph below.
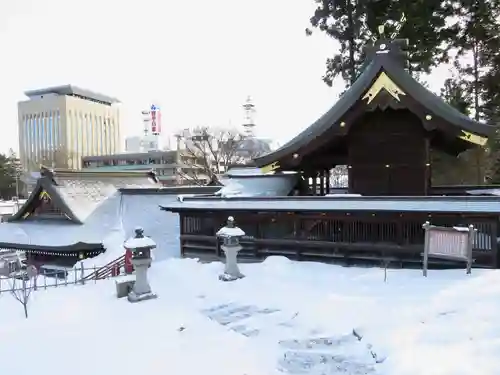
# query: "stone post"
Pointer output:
{"type": "Point", "coordinates": [141, 247]}
{"type": "Point", "coordinates": [231, 246]}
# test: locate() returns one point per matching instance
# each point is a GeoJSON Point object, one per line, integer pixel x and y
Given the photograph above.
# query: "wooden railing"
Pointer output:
{"type": "Point", "coordinates": [108, 270]}
{"type": "Point", "coordinates": [335, 235]}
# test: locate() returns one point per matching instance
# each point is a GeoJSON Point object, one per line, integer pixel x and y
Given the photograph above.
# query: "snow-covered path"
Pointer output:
{"type": "Point", "coordinates": [284, 317]}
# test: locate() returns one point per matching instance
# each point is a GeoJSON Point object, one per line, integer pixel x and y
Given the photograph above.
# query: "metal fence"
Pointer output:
{"type": "Point", "coordinates": [53, 278]}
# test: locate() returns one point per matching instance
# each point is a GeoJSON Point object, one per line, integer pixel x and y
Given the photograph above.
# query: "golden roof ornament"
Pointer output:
{"type": "Point", "coordinates": [473, 138]}
{"type": "Point", "coordinates": [398, 25]}
{"type": "Point", "coordinates": [383, 82]}
{"type": "Point", "coordinates": [381, 29]}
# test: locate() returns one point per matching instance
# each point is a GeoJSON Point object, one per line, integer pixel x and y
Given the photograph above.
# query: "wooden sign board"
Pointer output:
{"type": "Point", "coordinates": [453, 243]}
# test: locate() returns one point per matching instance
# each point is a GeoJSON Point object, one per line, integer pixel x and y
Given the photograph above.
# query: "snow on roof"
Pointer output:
{"type": "Point", "coordinates": [163, 227]}
{"type": "Point", "coordinates": [341, 203]}
{"type": "Point", "coordinates": [142, 211]}
{"type": "Point", "coordinates": [83, 197]}
{"type": "Point", "coordinates": [109, 224]}
{"type": "Point", "coordinates": [84, 193]}
{"type": "Point", "coordinates": [62, 232]}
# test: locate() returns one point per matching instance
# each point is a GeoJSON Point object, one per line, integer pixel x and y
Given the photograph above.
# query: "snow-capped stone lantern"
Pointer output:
{"type": "Point", "coordinates": [141, 247]}
{"type": "Point", "coordinates": [231, 235]}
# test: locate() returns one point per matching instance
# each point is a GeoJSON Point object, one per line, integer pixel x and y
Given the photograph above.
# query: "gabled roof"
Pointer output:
{"type": "Point", "coordinates": [78, 193]}
{"type": "Point", "coordinates": [90, 203]}
{"type": "Point", "coordinates": [383, 73]}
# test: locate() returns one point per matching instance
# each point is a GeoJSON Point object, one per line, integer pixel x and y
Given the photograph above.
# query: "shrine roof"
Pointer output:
{"type": "Point", "coordinates": [478, 204]}
{"type": "Point", "coordinates": [106, 228]}
{"type": "Point", "coordinates": [78, 194]}
{"type": "Point", "coordinates": [89, 205]}
{"type": "Point", "coordinates": [383, 73]}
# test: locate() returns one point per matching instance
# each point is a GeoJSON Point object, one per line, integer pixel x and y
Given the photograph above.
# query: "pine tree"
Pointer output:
{"type": "Point", "coordinates": [447, 169]}
{"type": "Point", "coordinates": [7, 177]}
{"type": "Point", "coordinates": [345, 20]}
{"type": "Point", "coordinates": [477, 41]}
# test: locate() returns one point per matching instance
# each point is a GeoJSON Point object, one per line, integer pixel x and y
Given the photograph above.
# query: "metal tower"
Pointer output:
{"type": "Point", "coordinates": [249, 122]}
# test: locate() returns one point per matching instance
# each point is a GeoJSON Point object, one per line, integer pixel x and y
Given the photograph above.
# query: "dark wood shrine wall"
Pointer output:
{"type": "Point", "coordinates": [361, 236]}
{"type": "Point", "coordinates": [388, 153]}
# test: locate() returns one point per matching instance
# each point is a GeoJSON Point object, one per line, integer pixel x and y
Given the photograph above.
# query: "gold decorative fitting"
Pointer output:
{"type": "Point", "coordinates": [342, 124]}
{"type": "Point", "coordinates": [270, 167]}
{"type": "Point", "coordinates": [473, 138]}
{"type": "Point", "coordinates": [44, 195]}
{"type": "Point", "coordinates": [428, 117]}
{"type": "Point", "coordinates": [383, 82]}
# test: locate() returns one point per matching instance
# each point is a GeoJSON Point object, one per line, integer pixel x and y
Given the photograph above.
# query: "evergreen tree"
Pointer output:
{"type": "Point", "coordinates": [447, 169]}
{"type": "Point", "coordinates": [345, 21]}
{"type": "Point", "coordinates": [491, 110]}
{"type": "Point", "coordinates": [8, 172]}
{"type": "Point", "coordinates": [477, 42]}
{"type": "Point", "coordinates": [478, 26]}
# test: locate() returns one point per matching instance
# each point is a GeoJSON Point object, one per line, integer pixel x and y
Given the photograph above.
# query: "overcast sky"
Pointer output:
{"type": "Point", "coordinates": [197, 59]}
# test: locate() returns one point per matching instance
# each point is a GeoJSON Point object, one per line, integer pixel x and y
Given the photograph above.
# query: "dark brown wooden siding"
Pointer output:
{"type": "Point", "coordinates": [388, 154]}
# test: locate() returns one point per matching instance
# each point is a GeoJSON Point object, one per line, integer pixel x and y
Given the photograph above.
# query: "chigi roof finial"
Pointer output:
{"type": "Point", "coordinates": [381, 44]}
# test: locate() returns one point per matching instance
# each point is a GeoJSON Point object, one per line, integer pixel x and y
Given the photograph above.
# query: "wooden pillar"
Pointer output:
{"type": "Point", "coordinates": [327, 182]}
{"type": "Point", "coordinates": [350, 180]}
{"type": "Point", "coordinates": [314, 176]}
{"type": "Point", "coordinates": [322, 181]}
{"type": "Point", "coordinates": [428, 169]}
{"type": "Point", "coordinates": [306, 190]}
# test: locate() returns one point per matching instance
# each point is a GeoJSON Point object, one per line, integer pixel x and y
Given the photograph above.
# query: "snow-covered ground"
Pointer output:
{"type": "Point", "coordinates": [296, 318]}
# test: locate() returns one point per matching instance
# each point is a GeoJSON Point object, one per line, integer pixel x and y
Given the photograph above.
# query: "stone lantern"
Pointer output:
{"type": "Point", "coordinates": [231, 235]}
{"type": "Point", "coordinates": [141, 247]}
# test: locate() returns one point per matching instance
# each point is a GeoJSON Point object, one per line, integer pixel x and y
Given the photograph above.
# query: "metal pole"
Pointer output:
{"type": "Point", "coordinates": [17, 185]}
{"type": "Point", "coordinates": [470, 244]}
{"type": "Point", "coordinates": [427, 228]}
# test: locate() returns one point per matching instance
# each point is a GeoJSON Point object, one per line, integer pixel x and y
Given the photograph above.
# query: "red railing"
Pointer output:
{"type": "Point", "coordinates": [111, 269]}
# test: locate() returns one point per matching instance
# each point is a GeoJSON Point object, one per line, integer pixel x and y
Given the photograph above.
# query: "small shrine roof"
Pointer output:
{"type": "Point", "coordinates": [90, 206]}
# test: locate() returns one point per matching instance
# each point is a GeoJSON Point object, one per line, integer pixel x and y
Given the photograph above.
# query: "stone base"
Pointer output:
{"type": "Point", "coordinates": [229, 277]}
{"type": "Point", "coordinates": [123, 288]}
{"type": "Point", "coordinates": [132, 297]}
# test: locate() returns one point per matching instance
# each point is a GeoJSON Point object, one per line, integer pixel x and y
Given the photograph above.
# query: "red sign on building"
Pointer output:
{"type": "Point", "coordinates": [155, 120]}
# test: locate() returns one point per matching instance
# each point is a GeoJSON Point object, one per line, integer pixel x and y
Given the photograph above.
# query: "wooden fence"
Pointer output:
{"type": "Point", "coordinates": [78, 275]}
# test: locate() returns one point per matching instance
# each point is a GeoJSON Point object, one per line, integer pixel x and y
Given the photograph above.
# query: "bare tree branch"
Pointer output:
{"type": "Point", "coordinates": [211, 149]}
{"type": "Point", "coordinates": [22, 284]}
